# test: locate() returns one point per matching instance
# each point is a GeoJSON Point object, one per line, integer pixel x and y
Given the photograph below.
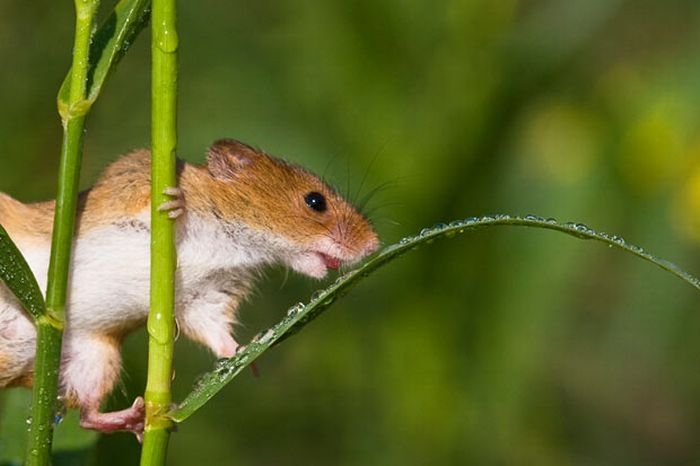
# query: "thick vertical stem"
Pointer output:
{"type": "Point", "coordinates": [49, 329]}
{"type": "Point", "coordinates": [161, 323]}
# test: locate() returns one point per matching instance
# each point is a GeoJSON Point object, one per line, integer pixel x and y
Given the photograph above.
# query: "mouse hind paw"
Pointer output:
{"type": "Point", "coordinates": [127, 420]}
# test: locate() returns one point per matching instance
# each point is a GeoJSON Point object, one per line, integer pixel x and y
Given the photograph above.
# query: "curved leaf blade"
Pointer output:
{"type": "Point", "coordinates": [18, 277]}
{"type": "Point", "coordinates": [301, 314]}
{"type": "Point", "coordinates": [109, 44]}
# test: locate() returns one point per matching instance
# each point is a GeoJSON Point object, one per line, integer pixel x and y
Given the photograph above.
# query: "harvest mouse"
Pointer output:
{"type": "Point", "coordinates": [240, 211]}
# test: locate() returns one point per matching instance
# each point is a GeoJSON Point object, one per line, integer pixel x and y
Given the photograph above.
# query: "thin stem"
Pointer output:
{"type": "Point", "coordinates": [64, 216]}
{"type": "Point", "coordinates": [161, 322]}
{"type": "Point", "coordinates": [49, 330]}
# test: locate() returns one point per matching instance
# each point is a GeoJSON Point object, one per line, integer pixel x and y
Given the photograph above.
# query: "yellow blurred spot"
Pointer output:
{"type": "Point", "coordinates": [686, 204]}
{"type": "Point", "coordinates": [651, 150]}
{"type": "Point", "coordinates": [558, 142]}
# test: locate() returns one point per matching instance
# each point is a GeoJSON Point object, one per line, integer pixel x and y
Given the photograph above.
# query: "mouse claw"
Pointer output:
{"type": "Point", "coordinates": [173, 191]}
{"type": "Point", "coordinates": [175, 207]}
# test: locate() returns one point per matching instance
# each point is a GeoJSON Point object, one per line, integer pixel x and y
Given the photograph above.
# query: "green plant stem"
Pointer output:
{"type": "Point", "coordinates": [44, 394]}
{"type": "Point", "coordinates": [49, 329]}
{"type": "Point", "coordinates": [161, 322]}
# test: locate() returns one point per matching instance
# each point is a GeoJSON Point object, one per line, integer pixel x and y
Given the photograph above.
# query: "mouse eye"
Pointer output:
{"type": "Point", "coordinates": [316, 201]}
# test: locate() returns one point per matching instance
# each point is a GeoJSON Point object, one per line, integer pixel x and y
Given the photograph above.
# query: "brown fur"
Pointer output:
{"type": "Point", "coordinates": [268, 193]}
{"type": "Point", "coordinates": [24, 380]}
{"type": "Point", "coordinates": [263, 192]}
{"type": "Point", "coordinates": [122, 190]}
{"type": "Point", "coordinates": [242, 196]}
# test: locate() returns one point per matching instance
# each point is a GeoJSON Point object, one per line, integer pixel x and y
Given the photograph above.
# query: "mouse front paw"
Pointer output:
{"type": "Point", "coordinates": [175, 207]}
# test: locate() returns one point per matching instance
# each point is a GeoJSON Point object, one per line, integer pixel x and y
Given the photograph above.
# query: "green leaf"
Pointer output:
{"type": "Point", "coordinates": [18, 277]}
{"type": "Point", "coordinates": [109, 44]}
{"type": "Point", "coordinates": [301, 314]}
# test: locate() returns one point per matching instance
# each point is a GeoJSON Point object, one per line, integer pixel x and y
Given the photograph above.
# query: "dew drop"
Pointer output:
{"type": "Point", "coordinates": [294, 310]}
{"type": "Point", "coordinates": [243, 359]}
{"type": "Point", "coordinates": [636, 249]}
{"type": "Point", "coordinates": [265, 337]}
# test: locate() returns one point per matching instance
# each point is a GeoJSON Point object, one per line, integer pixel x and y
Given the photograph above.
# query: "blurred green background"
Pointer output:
{"type": "Point", "coordinates": [500, 347]}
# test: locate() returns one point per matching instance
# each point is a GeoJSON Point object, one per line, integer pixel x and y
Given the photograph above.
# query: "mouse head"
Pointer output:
{"type": "Point", "coordinates": [305, 223]}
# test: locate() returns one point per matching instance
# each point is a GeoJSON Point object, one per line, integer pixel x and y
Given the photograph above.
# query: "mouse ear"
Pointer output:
{"type": "Point", "coordinates": [227, 156]}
